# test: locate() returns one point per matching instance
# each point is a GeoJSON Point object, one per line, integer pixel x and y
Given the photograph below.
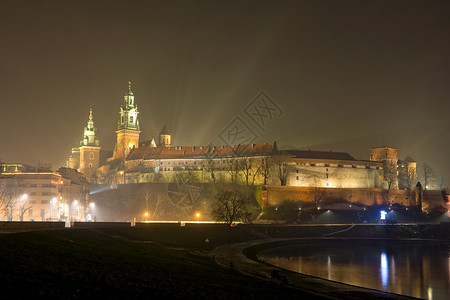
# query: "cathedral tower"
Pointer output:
{"type": "Point", "coordinates": [89, 149]}
{"type": "Point", "coordinates": [128, 129]}
{"type": "Point", "coordinates": [165, 139]}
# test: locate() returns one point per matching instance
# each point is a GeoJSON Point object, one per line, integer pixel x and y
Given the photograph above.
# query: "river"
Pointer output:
{"type": "Point", "coordinates": [413, 268]}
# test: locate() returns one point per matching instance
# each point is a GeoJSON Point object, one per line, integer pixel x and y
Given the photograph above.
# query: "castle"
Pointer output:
{"type": "Point", "coordinates": [263, 164]}
{"type": "Point", "coordinates": [133, 161]}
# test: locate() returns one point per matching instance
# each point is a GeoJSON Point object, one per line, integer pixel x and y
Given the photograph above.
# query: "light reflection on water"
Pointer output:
{"type": "Point", "coordinates": [384, 270]}
{"type": "Point", "coordinates": [418, 269]}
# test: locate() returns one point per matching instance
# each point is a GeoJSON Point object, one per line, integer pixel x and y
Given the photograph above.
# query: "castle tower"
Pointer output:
{"type": "Point", "coordinates": [89, 150]}
{"type": "Point", "coordinates": [165, 139]}
{"type": "Point", "coordinates": [128, 129]}
{"type": "Point", "coordinates": [389, 157]}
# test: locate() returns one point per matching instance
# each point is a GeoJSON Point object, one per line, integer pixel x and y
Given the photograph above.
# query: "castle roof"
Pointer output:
{"type": "Point", "coordinates": [318, 154]}
{"type": "Point", "coordinates": [190, 152]}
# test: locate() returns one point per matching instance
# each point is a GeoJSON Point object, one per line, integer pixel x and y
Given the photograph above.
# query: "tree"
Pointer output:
{"type": "Point", "coordinates": [428, 176]}
{"type": "Point", "coordinates": [8, 196]}
{"type": "Point", "coordinates": [231, 206]}
{"type": "Point", "coordinates": [279, 163]}
{"type": "Point", "coordinates": [317, 193]}
{"type": "Point", "coordinates": [250, 168]}
{"type": "Point", "coordinates": [210, 168]}
{"type": "Point", "coordinates": [232, 167]}
{"type": "Point", "coordinates": [154, 201]}
{"type": "Point", "coordinates": [390, 173]}
{"type": "Point", "coordinates": [23, 207]}
{"type": "Point", "coordinates": [266, 164]}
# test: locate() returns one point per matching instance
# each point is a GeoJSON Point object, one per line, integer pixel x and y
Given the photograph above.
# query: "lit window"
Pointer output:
{"type": "Point", "coordinates": [131, 119]}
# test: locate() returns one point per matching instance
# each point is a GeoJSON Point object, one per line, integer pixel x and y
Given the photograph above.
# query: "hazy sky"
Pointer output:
{"type": "Point", "coordinates": [341, 74]}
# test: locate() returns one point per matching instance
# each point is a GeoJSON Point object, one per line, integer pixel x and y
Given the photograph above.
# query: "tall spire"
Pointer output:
{"type": "Point", "coordinates": [128, 112]}
{"type": "Point", "coordinates": [129, 88]}
{"type": "Point", "coordinates": [90, 133]}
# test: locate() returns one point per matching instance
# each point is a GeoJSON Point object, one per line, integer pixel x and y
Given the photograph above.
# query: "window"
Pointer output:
{"type": "Point", "coordinates": [123, 119]}
{"type": "Point", "coordinates": [131, 119]}
{"type": "Point", "coordinates": [91, 155]}
{"type": "Point", "coordinates": [296, 177]}
{"type": "Point", "coordinates": [90, 166]}
{"type": "Point", "coordinates": [30, 212]}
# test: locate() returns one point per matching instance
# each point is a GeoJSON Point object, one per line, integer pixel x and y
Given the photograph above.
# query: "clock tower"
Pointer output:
{"type": "Point", "coordinates": [128, 128]}
{"type": "Point", "coordinates": [89, 150]}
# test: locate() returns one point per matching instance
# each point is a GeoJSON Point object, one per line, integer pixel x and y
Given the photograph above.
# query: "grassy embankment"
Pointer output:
{"type": "Point", "coordinates": [150, 262]}
{"type": "Point", "coordinates": [111, 263]}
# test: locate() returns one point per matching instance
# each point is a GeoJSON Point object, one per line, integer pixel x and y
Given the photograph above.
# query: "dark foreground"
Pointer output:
{"type": "Point", "coordinates": [131, 263]}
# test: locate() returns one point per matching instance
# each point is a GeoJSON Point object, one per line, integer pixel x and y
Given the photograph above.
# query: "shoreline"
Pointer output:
{"type": "Point", "coordinates": [244, 257]}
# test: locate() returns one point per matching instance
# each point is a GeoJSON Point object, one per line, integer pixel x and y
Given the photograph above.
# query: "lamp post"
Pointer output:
{"type": "Point", "coordinates": [146, 216]}
{"type": "Point", "coordinates": [198, 216]}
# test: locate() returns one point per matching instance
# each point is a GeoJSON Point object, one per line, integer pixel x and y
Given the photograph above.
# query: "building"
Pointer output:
{"type": "Point", "coordinates": [28, 193]}
{"type": "Point", "coordinates": [133, 161]}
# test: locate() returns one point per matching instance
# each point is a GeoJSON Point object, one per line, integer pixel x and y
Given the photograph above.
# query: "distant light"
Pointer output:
{"type": "Point", "coordinates": [276, 208]}
{"type": "Point", "coordinates": [146, 214]}
{"type": "Point", "coordinates": [92, 205]}
{"type": "Point", "coordinates": [24, 196]}
{"type": "Point", "coordinates": [198, 215]}
{"type": "Point", "coordinates": [75, 202]}
{"type": "Point", "coordinates": [383, 215]}
{"type": "Point", "coordinates": [328, 210]}
{"type": "Point", "coordinates": [299, 208]}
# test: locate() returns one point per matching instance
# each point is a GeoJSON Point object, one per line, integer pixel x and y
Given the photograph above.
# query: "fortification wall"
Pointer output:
{"type": "Point", "coordinates": [275, 195]}
{"type": "Point", "coordinates": [347, 176]}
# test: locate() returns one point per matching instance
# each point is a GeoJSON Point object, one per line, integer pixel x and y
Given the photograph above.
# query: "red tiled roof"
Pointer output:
{"type": "Point", "coordinates": [186, 152]}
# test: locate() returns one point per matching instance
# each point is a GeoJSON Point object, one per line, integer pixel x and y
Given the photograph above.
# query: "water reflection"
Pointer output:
{"type": "Point", "coordinates": [418, 269]}
{"type": "Point", "coordinates": [384, 270]}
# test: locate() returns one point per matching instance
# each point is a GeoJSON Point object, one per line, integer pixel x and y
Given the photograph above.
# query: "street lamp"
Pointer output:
{"type": "Point", "coordinates": [146, 216]}
{"type": "Point", "coordinates": [198, 216]}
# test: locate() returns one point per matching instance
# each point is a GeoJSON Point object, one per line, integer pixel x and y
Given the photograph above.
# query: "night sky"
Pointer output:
{"type": "Point", "coordinates": [344, 75]}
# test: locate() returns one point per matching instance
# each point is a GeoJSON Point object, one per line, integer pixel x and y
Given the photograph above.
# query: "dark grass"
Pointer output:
{"type": "Point", "coordinates": [154, 262]}
{"type": "Point", "coordinates": [86, 264]}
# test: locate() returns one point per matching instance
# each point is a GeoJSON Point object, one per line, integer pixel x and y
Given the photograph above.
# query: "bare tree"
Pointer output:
{"type": "Point", "coordinates": [8, 196]}
{"type": "Point", "coordinates": [231, 206]}
{"type": "Point", "coordinates": [428, 176]}
{"type": "Point", "coordinates": [23, 206]}
{"type": "Point", "coordinates": [317, 193]}
{"type": "Point", "coordinates": [232, 167]}
{"type": "Point", "coordinates": [281, 167]}
{"type": "Point", "coordinates": [210, 168]}
{"type": "Point", "coordinates": [250, 168]}
{"type": "Point", "coordinates": [154, 202]}
{"type": "Point", "coordinates": [265, 166]}
{"type": "Point", "coordinates": [390, 173]}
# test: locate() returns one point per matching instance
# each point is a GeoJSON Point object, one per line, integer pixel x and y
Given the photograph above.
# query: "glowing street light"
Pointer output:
{"type": "Point", "coordinates": [146, 216]}
{"type": "Point", "coordinates": [198, 216]}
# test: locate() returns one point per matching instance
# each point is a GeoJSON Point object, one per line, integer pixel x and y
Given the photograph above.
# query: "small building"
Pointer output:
{"type": "Point", "coordinates": [36, 194]}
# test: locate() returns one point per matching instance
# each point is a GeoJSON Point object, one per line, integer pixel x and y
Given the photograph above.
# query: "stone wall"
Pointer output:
{"type": "Point", "coordinates": [335, 176]}
{"type": "Point", "coordinates": [304, 196]}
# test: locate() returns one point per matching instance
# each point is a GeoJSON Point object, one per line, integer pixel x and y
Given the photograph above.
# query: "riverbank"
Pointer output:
{"type": "Point", "coordinates": [176, 262]}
